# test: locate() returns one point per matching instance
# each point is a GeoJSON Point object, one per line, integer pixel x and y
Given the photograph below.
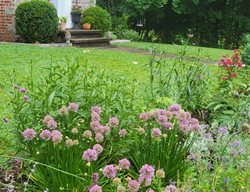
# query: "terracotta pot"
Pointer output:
{"type": "Point", "coordinates": [62, 26]}
{"type": "Point", "coordinates": [86, 26]}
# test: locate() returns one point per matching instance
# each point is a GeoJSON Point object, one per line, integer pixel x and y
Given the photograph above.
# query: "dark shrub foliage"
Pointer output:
{"type": "Point", "coordinates": [102, 19]}
{"type": "Point", "coordinates": [36, 21]}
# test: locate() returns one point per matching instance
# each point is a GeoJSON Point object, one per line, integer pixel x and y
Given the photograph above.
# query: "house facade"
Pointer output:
{"type": "Point", "coordinates": [7, 14]}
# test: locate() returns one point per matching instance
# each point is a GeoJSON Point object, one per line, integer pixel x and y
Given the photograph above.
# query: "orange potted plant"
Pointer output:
{"type": "Point", "coordinates": [63, 23]}
{"type": "Point", "coordinates": [87, 23]}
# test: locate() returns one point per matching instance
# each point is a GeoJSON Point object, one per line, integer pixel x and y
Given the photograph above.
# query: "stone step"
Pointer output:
{"type": "Point", "coordinates": [90, 42]}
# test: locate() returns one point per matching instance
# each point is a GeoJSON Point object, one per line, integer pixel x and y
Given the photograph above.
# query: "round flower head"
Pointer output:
{"type": "Point", "coordinates": [95, 116]}
{"type": "Point", "coordinates": [133, 186]}
{"type": "Point", "coordinates": [69, 142]}
{"type": "Point", "coordinates": [123, 133]}
{"type": "Point", "coordinates": [73, 107]}
{"type": "Point", "coordinates": [156, 133]}
{"type": "Point", "coordinates": [25, 97]}
{"type": "Point", "coordinates": [171, 188]}
{"type": "Point", "coordinates": [109, 171]}
{"type": "Point", "coordinates": [95, 125]}
{"type": "Point", "coordinates": [116, 181]}
{"type": "Point", "coordinates": [150, 190]}
{"type": "Point", "coordinates": [90, 155]}
{"type": "Point", "coordinates": [124, 164]}
{"type": "Point", "coordinates": [87, 134]}
{"type": "Point", "coordinates": [63, 111]}
{"type": "Point", "coordinates": [106, 130]}
{"type": "Point", "coordinates": [168, 125]}
{"type": "Point", "coordinates": [99, 137]}
{"type": "Point", "coordinates": [23, 90]}
{"type": "Point", "coordinates": [74, 131]}
{"type": "Point", "coordinates": [184, 126]}
{"type": "Point", "coordinates": [95, 188]}
{"type": "Point", "coordinates": [45, 135]}
{"type": "Point", "coordinates": [146, 175]}
{"type": "Point", "coordinates": [95, 178]}
{"type": "Point", "coordinates": [121, 188]}
{"type": "Point", "coordinates": [56, 136]}
{"type": "Point", "coordinates": [52, 124]}
{"type": "Point", "coordinates": [29, 134]}
{"type": "Point", "coordinates": [47, 118]}
{"type": "Point", "coordinates": [98, 148]}
{"type": "Point", "coordinates": [160, 174]}
{"type": "Point", "coordinates": [175, 107]}
{"type": "Point", "coordinates": [76, 142]}
{"type": "Point", "coordinates": [96, 109]}
{"type": "Point", "coordinates": [160, 112]}
{"type": "Point", "coordinates": [162, 119]}
{"type": "Point", "coordinates": [144, 116]}
{"type": "Point", "coordinates": [141, 131]}
{"type": "Point", "coordinates": [113, 122]}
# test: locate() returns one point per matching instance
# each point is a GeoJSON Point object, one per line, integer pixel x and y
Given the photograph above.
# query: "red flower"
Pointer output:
{"type": "Point", "coordinates": [234, 75]}
{"type": "Point", "coordinates": [224, 78]}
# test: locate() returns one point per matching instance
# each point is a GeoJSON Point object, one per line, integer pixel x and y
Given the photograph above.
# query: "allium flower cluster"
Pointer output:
{"type": "Point", "coordinates": [63, 111]}
{"type": "Point", "coordinates": [124, 164]}
{"type": "Point", "coordinates": [171, 188]}
{"type": "Point", "coordinates": [109, 171]}
{"type": "Point", "coordinates": [236, 149]}
{"type": "Point", "coordinates": [56, 137]}
{"type": "Point", "coordinates": [45, 135]}
{"type": "Point", "coordinates": [73, 107]}
{"type": "Point", "coordinates": [98, 148]}
{"type": "Point", "coordinates": [146, 175]}
{"type": "Point", "coordinates": [29, 134]}
{"type": "Point", "coordinates": [49, 121]}
{"type": "Point", "coordinates": [95, 188]}
{"type": "Point", "coordinates": [133, 186]}
{"type": "Point", "coordinates": [113, 122]}
{"type": "Point", "coordinates": [122, 133]}
{"type": "Point", "coordinates": [156, 133]}
{"type": "Point", "coordinates": [90, 155]}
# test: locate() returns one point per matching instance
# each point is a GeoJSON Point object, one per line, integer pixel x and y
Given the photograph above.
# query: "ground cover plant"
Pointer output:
{"type": "Point", "coordinates": [103, 125]}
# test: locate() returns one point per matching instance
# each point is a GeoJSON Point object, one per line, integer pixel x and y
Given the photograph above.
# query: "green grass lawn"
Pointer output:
{"type": "Point", "coordinates": [192, 51]}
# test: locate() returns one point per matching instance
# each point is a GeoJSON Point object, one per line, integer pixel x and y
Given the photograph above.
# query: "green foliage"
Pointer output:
{"type": "Point", "coordinates": [36, 21]}
{"type": "Point", "coordinates": [246, 55]}
{"type": "Point", "coordinates": [102, 19]}
{"type": "Point", "coordinates": [130, 34]}
{"type": "Point", "coordinates": [88, 19]}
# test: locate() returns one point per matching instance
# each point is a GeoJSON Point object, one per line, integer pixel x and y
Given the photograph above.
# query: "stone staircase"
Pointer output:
{"type": "Point", "coordinates": [85, 38]}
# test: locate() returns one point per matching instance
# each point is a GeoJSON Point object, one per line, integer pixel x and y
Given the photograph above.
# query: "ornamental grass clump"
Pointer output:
{"type": "Point", "coordinates": [163, 139]}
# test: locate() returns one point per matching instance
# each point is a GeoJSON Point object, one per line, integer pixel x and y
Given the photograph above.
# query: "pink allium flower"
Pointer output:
{"type": "Point", "coordinates": [156, 133]}
{"type": "Point", "coordinates": [169, 114]}
{"type": "Point", "coordinates": [123, 133]}
{"type": "Point", "coordinates": [47, 118]}
{"type": "Point", "coordinates": [56, 136]}
{"type": "Point", "coordinates": [175, 107]}
{"type": "Point", "coordinates": [99, 137]}
{"type": "Point", "coordinates": [146, 175]}
{"type": "Point", "coordinates": [160, 112]}
{"type": "Point", "coordinates": [95, 178]}
{"type": "Point", "coordinates": [90, 155]}
{"type": "Point", "coordinates": [124, 164]}
{"type": "Point", "coordinates": [96, 109]}
{"type": "Point", "coordinates": [133, 186]}
{"type": "Point", "coordinates": [168, 125]}
{"type": "Point", "coordinates": [95, 116]}
{"type": "Point", "coordinates": [95, 188]}
{"type": "Point", "coordinates": [150, 190]}
{"type": "Point", "coordinates": [29, 134]}
{"type": "Point", "coordinates": [113, 122]}
{"type": "Point", "coordinates": [106, 130]}
{"type": "Point", "coordinates": [184, 126]}
{"type": "Point", "coordinates": [73, 107]}
{"type": "Point", "coordinates": [23, 90]}
{"type": "Point", "coordinates": [100, 129]}
{"type": "Point", "coordinates": [52, 124]}
{"type": "Point", "coordinates": [98, 148]}
{"type": "Point", "coordinates": [45, 135]}
{"type": "Point", "coordinates": [162, 119]}
{"type": "Point", "coordinates": [95, 125]}
{"type": "Point", "coordinates": [109, 171]}
{"type": "Point", "coordinates": [25, 97]}
{"type": "Point", "coordinates": [193, 121]}
{"type": "Point", "coordinates": [87, 134]}
{"type": "Point", "coordinates": [63, 111]}
{"type": "Point", "coordinates": [144, 116]}
{"type": "Point", "coordinates": [195, 127]}
{"type": "Point", "coordinates": [171, 188]}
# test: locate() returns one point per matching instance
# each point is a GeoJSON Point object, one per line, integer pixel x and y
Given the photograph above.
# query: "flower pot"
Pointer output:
{"type": "Point", "coordinates": [63, 26]}
{"type": "Point", "coordinates": [76, 17]}
{"type": "Point", "coordinates": [86, 26]}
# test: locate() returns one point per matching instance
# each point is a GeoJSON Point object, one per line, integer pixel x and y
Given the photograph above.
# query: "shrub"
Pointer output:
{"type": "Point", "coordinates": [131, 35]}
{"type": "Point", "coordinates": [36, 21]}
{"type": "Point", "coordinates": [246, 55]}
{"type": "Point", "coordinates": [102, 19]}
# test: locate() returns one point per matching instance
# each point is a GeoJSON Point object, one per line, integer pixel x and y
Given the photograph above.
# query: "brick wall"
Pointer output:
{"type": "Point", "coordinates": [7, 29]}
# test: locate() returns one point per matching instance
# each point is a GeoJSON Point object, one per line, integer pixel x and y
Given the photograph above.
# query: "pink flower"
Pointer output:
{"type": "Point", "coordinates": [73, 107]}
{"type": "Point", "coordinates": [160, 112]}
{"type": "Point", "coordinates": [56, 136]}
{"type": "Point", "coordinates": [123, 133]}
{"type": "Point", "coordinates": [156, 133]}
{"type": "Point", "coordinates": [63, 111]}
{"type": "Point", "coordinates": [95, 116]}
{"type": "Point", "coordinates": [29, 134]}
{"type": "Point", "coordinates": [124, 164]}
{"type": "Point", "coordinates": [98, 148]}
{"type": "Point", "coordinates": [144, 116]}
{"type": "Point", "coordinates": [23, 90]}
{"type": "Point", "coordinates": [45, 135]}
{"type": "Point", "coordinates": [146, 175]}
{"type": "Point", "coordinates": [162, 119]}
{"type": "Point", "coordinates": [99, 137]}
{"type": "Point", "coordinates": [95, 125]}
{"type": "Point", "coordinates": [113, 122]}
{"type": "Point", "coordinates": [106, 130]}
{"type": "Point", "coordinates": [133, 186]}
{"type": "Point", "coordinates": [87, 134]}
{"type": "Point", "coordinates": [168, 125]}
{"type": "Point", "coordinates": [90, 155]}
{"type": "Point", "coordinates": [175, 107]}
{"type": "Point", "coordinates": [96, 109]}
{"type": "Point", "coordinates": [171, 188]}
{"type": "Point", "coordinates": [47, 118]}
{"type": "Point", "coordinates": [52, 124]}
{"type": "Point", "coordinates": [109, 171]}
{"type": "Point", "coordinates": [95, 188]}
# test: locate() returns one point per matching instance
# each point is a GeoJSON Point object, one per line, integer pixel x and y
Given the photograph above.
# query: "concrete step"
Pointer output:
{"type": "Point", "coordinates": [90, 42]}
